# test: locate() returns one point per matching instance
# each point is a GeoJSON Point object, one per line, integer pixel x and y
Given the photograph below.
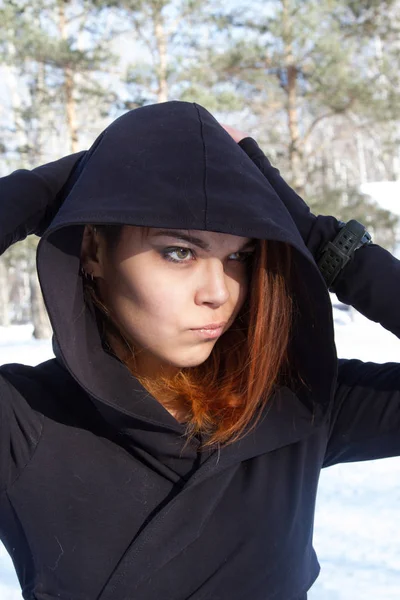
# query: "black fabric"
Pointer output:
{"type": "Point", "coordinates": [300, 212]}
{"type": "Point", "coordinates": [98, 496]}
{"type": "Point", "coordinates": [31, 199]}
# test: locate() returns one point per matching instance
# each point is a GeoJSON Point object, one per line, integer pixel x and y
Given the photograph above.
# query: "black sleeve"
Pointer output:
{"type": "Point", "coordinates": [365, 416]}
{"type": "Point", "coordinates": [28, 202]}
{"type": "Point", "coordinates": [20, 429]}
{"type": "Point", "coordinates": [370, 281]}
{"type": "Point", "coordinates": [30, 199]}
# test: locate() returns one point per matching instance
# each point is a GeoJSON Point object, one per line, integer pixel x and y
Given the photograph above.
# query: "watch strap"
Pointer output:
{"type": "Point", "coordinates": [337, 253]}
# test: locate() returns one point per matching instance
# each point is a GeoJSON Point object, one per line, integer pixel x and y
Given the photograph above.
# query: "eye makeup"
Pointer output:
{"type": "Point", "coordinates": [167, 254]}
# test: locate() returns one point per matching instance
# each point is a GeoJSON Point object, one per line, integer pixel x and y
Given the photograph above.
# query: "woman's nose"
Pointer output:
{"type": "Point", "coordinates": [212, 285]}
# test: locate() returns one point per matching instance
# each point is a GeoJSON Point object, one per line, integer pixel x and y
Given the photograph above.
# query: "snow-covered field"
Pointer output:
{"type": "Point", "coordinates": [357, 525]}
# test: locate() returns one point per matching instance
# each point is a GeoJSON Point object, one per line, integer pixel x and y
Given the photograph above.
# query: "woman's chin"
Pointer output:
{"type": "Point", "coordinates": [192, 359]}
{"type": "Point", "coordinates": [152, 363]}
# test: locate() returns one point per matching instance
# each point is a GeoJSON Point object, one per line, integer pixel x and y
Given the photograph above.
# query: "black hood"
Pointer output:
{"type": "Point", "coordinates": [172, 165]}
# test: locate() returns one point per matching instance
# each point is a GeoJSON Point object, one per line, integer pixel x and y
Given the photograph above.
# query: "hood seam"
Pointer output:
{"type": "Point", "coordinates": [205, 163]}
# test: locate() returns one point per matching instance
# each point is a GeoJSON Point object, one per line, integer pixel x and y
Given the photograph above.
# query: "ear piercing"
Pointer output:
{"type": "Point", "coordinates": [88, 276]}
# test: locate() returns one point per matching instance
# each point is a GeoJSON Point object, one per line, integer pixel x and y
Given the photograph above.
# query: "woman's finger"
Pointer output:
{"type": "Point", "coordinates": [235, 133]}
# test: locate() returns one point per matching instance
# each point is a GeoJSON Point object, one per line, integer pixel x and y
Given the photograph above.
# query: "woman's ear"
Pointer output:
{"type": "Point", "coordinates": [92, 252]}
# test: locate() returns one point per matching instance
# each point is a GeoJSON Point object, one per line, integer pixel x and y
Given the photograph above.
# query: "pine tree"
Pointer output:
{"type": "Point", "coordinates": [299, 66]}
{"type": "Point", "coordinates": [169, 62]}
{"type": "Point", "coordinates": [53, 65]}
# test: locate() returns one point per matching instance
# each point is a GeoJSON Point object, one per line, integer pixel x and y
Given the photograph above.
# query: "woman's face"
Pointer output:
{"type": "Point", "coordinates": [162, 287]}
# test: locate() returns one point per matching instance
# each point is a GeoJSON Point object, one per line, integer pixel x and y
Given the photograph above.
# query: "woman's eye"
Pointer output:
{"type": "Point", "coordinates": [178, 252]}
{"type": "Point", "coordinates": [244, 256]}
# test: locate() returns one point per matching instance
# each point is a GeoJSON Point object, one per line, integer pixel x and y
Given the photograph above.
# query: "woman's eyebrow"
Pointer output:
{"type": "Point", "coordinates": [192, 239]}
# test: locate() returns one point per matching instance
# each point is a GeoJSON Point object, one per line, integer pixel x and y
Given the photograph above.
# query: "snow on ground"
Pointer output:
{"type": "Point", "coordinates": [357, 536]}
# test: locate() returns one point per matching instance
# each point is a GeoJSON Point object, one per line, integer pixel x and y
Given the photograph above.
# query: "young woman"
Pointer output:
{"type": "Point", "coordinates": [172, 448]}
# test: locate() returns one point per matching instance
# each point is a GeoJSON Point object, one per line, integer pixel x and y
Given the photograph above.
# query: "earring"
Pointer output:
{"type": "Point", "coordinates": [87, 275]}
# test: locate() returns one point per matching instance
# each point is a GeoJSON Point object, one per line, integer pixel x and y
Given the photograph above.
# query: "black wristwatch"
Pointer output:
{"type": "Point", "coordinates": [335, 255]}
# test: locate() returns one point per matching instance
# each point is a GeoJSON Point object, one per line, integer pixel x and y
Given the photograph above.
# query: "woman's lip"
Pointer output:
{"type": "Point", "coordinates": [208, 333]}
{"type": "Point", "coordinates": [211, 326]}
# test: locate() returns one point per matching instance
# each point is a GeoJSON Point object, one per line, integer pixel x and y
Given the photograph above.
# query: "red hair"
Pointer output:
{"type": "Point", "coordinates": [224, 397]}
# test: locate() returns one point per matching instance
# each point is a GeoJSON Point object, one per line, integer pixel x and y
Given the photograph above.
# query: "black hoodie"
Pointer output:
{"type": "Point", "coordinates": [98, 498]}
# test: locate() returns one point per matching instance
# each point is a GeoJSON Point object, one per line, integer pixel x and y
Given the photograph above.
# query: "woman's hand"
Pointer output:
{"type": "Point", "coordinates": [237, 135]}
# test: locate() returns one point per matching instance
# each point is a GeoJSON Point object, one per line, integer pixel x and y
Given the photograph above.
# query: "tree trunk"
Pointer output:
{"type": "Point", "coordinates": [71, 109]}
{"type": "Point", "coordinates": [295, 156]}
{"type": "Point", "coordinates": [4, 295]}
{"type": "Point", "coordinates": [10, 77]}
{"type": "Point", "coordinates": [69, 86]}
{"type": "Point", "coordinates": [161, 69]}
{"type": "Point", "coordinates": [41, 324]}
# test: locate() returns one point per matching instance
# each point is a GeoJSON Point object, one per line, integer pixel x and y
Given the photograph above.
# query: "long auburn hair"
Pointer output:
{"type": "Point", "coordinates": [225, 396]}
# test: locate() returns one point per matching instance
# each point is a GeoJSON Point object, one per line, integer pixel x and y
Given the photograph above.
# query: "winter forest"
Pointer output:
{"type": "Point", "coordinates": [316, 82]}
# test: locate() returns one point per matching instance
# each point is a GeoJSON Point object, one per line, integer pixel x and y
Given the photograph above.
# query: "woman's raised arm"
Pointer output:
{"type": "Point", "coordinates": [370, 281]}
{"type": "Point", "coordinates": [28, 202]}
{"type": "Point", "coordinates": [364, 420]}
{"type": "Point", "coordinates": [30, 199]}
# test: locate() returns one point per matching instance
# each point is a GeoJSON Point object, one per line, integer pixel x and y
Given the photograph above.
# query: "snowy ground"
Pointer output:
{"type": "Point", "coordinates": [357, 525]}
